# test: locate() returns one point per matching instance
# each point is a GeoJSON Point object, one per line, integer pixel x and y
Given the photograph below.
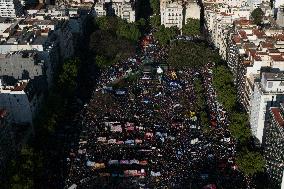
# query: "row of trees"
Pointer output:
{"type": "Point", "coordinates": [165, 35]}
{"type": "Point", "coordinates": [192, 27]}
{"type": "Point", "coordinates": [223, 83]}
{"type": "Point", "coordinates": [114, 39]}
{"type": "Point", "coordinates": [190, 55]}
{"type": "Point", "coordinates": [23, 170]}
{"type": "Point", "coordinates": [201, 103]}
{"type": "Point", "coordinates": [249, 162]}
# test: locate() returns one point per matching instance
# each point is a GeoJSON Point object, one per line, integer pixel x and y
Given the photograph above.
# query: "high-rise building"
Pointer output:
{"type": "Point", "coordinates": [274, 144]}
{"type": "Point", "coordinates": [268, 92]}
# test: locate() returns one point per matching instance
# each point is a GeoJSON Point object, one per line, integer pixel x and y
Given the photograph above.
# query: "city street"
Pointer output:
{"type": "Point", "coordinates": [140, 130]}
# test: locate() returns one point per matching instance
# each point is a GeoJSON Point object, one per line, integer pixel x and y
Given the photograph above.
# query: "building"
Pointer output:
{"type": "Point", "coordinates": [171, 13]}
{"type": "Point", "coordinates": [22, 98]}
{"type": "Point", "coordinates": [274, 144]}
{"type": "Point", "coordinates": [121, 8]}
{"type": "Point", "coordinates": [99, 10]}
{"type": "Point", "coordinates": [10, 8]}
{"type": "Point", "coordinates": [219, 19]}
{"type": "Point", "coordinates": [278, 3]}
{"type": "Point", "coordinates": [21, 65]}
{"type": "Point", "coordinates": [268, 92]}
{"type": "Point", "coordinates": [192, 10]}
{"type": "Point", "coordinates": [280, 16]}
{"type": "Point", "coordinates": [30, 64]}
{"type": "Point", "coordinates": [249, 49]}
{"type": "Point", "coordinates": [254, 3]}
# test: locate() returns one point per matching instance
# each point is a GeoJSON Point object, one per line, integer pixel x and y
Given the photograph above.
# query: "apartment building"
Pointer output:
{"type": "Point", "coordinates": [274, 145]}
{"type": "Point", "coordinates": [10, 8]}
{"type": "Point", "coordinates": [192, 10]}
{"type": "Point", "coordinates": [171, 13]}
{"type": "Point", "coordinates": [99, 10]}
{"type": "Point", "coordinates": [249, 49]}
{"type": "Point", "coordinates": [22, 98]}
{"type": "Point", "coordinates": [268, 92]}
{"type": "Point", "coordinates": [219, 20]}
{"type": "Point", "coordinates": [124, 9]}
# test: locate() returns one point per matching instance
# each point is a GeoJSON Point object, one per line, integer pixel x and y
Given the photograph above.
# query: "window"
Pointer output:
{"type": "Point", "coordinates": [270, 84]}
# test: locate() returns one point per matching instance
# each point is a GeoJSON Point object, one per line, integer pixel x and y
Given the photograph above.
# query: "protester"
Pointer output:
{"type": "Point", "coordinates": [145, 133]}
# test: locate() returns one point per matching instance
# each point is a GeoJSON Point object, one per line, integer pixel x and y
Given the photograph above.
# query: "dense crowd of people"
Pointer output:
{"type": "Point", "coordinates": [146, 133]}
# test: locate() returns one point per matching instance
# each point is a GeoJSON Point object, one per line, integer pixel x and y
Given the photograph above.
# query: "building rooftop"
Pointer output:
{"type": "Point", "coordinates": [276, 114]}
{"type": "Point", "coordinates": [277, 58]}
{"type": "Point", "coordinates": [273, 75]}
{"type": "Point", "coordinates": [11, 84]}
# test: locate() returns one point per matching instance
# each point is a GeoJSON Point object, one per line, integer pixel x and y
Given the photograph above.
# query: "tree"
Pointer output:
{"type": "Point", "coordinates": [110, 47]}
{"type": "Point", "coordinates": [164, 35]}
{"type": "Point", "coordinates": [250, 163]}
{"type": "Point", "coordinates": [68, 76]}
{"type": "Point", "coordinates": [109, 24]}
{"type": "Point", "coordinates": [192, 27]}
{"type": "Point", "coordinates": [155, 6]}
{"type": "Point", "coordinates": [155, 21]}
{"type": "Point", "coordinates": [102, 62]}
{"type": "Point", "coordinates": [239, 127]}
{"type": "Point", "coordinates": [223, 83]}
{"type": "Point", "coordinates": [25, 169]}
{"type": "Point", "coordinates": [189, 54]}
{"type": "Point", "coordinates": [128, 31]}
{"type": "Point", "coordinates": [257, 16]}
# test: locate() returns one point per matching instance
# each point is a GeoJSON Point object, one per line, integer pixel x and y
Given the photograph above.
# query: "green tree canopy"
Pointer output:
{"type": "Point", "coordinates": [257, 16]}
{"type": "Point", "coordinates": [128, 31]}
{"type": "Point", "coordinates": [223, 83]}
{"type": "Point", "coordinates": [110, 47]}
{"type": "Point", "coordinates": [155, 21]}
{"type": "Point", "coordinates": [109, 24]}
{"type": "Point", "coordinates": [114, 39]}
{"type": "Point", "coordinates": [192, 27]}
{"type": "Point", "coordinates": [68, 76]}
{"type": "Point", "coordinates": [164, 35]}
{"type": "Point", "coordinates": [250, 162]}
{"type": "Point", "coordinates": [239, 127]}
{"type": "Point", "coordinates": [24, 170]}
{"type": "Point", "coordinates": [155, 5]}
{"type": "Point", "coordinates": [189, 54]}
{"type": "Point", "coordinates": [119, 27]}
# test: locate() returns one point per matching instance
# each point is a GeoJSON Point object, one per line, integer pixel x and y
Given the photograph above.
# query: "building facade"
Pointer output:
{"type": "Point", "coordinates": [10, 8]}
{"type": "Point", "coordinates": [171, 14]}
{"type": "Point", "coordinates": [274, 144]}
{"type": "Point", "coordinates": [22, 99]}
{"type": "Point", "coordinates": [268, 92]}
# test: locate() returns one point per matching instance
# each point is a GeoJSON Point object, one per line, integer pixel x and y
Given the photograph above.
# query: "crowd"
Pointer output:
{"type": "Point", "coordinates": [148, 135]}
